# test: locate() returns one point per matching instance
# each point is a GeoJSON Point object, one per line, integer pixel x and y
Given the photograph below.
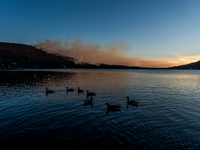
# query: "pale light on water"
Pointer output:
{"type": "Point", "coordinates": [167, 115]}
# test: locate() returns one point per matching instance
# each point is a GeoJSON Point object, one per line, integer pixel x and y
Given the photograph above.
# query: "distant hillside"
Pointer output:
{"type": "Point", "coordinates": [26, 56]}
{"type": "Point", "coordinates": [195, 65]}
{"type": "Point", "coordinates": [13, 55]}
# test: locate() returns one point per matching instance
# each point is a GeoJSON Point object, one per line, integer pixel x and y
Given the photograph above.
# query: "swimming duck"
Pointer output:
{"type": "Point", "coordinates": [90, 93]}
{"type": "Point", "coordinates": [112, 107]}
{"type": "Point", "coordinates": [48, 91]}
{"type": "Point", "coordinates": [131, 102]}
{"type": "Point", "coordinates": [79, 90]}
{"type": "Point", "coordinates": [69, 90]}
{"type": "Point", "coordinates": [89, 101]}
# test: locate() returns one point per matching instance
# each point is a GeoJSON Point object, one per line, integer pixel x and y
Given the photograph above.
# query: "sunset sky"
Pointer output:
{"type": "Point", "coordinates": [151, 33]}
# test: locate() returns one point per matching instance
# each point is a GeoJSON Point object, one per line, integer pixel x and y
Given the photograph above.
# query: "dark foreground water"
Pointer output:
{"type": "Point", "coordinates": [167, 116]}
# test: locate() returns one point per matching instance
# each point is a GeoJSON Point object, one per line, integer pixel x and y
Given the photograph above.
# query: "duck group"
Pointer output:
{"type": "Point", "coordinates": [90, 101]}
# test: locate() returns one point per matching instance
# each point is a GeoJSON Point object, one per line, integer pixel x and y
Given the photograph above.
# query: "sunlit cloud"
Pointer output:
{"type": "Point", "coordinates": [113, 53]}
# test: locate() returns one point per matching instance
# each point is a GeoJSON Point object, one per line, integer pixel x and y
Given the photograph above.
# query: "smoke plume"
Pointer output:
{"type": "Point", "coordinates": [113, 54]}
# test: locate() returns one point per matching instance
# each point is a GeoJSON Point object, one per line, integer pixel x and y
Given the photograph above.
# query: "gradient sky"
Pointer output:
{"type": "Point", "coordinates": [166, 30]}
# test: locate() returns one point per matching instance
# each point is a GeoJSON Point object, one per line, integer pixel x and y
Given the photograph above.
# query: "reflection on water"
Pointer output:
{"type": "Point", "coordinates": [166, 117]}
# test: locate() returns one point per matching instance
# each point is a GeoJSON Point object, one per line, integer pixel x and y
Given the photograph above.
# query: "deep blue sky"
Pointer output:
{"type": "Point", "coordinates": [155, 29]}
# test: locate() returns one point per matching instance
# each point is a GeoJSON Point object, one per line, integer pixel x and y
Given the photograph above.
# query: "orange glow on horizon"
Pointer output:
{"type": "Point", "coordinates": [112, 54]}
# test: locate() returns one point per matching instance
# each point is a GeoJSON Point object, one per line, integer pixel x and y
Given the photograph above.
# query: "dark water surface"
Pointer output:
{"type": "Point", "coordinates": [167, 116]}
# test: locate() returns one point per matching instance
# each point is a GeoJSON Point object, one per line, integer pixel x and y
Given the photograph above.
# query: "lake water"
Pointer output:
{"type": "Point", "coordinates": [167, 115]}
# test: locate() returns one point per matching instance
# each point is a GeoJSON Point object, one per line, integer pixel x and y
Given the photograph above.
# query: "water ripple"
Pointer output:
{"type": "Point", "coordinates": [167, 115]}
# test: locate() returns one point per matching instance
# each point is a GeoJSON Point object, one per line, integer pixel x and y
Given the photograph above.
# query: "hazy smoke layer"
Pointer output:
{"type": "Point", "coordinates": [113, 54]}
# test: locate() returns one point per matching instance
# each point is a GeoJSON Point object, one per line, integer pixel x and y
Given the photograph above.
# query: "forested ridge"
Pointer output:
{"type": "Point", "coordinates": [27, 56]}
